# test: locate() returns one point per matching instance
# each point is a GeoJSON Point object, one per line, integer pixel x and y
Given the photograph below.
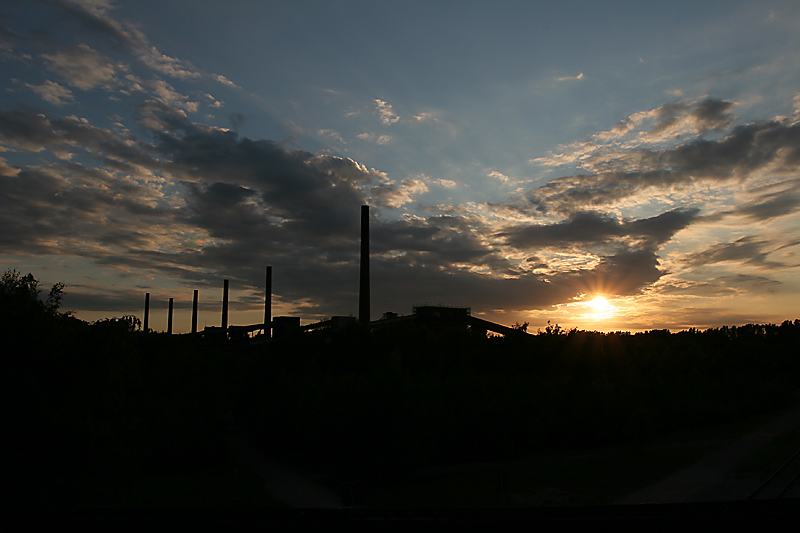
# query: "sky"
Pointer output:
{"type": "Point", "coordinates": [520, 158]}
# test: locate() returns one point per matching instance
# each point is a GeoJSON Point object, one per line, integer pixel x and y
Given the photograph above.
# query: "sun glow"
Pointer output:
{"type": "Point", "coordinates": [599, 303]}
{"type": "Point", "coordinates": [599, 308]}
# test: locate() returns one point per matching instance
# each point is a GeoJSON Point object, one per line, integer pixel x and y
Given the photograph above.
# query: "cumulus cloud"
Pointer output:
{"type": "Point", "coordinates": [385, 112]}
{"type": "Point", "coordinates": [388, 194]}
{"type": "Point", "coordinates": [447, 184]}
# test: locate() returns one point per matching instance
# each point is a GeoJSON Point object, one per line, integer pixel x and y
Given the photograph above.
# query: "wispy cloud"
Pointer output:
{"type": "Point", "coordinates": [568, 78]}
{"type": "Point", "coordinates": [52, 93]}
{"type": "Point", "coordinates": [86, 68]}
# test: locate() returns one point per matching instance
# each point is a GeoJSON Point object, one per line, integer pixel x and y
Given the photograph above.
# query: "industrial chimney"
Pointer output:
{"type": "Point", "coordinates": [146, 326]}
{"type": "Point", "coordinates": [363, 291]}
{"type": "Point", "coordinates": [225, 286]}
{"type": "Point", "coordinates": [268, 305]}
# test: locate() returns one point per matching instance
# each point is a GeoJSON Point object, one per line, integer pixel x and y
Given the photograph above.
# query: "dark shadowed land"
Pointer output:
{"type": "Point", "coordinates": [409, 417]}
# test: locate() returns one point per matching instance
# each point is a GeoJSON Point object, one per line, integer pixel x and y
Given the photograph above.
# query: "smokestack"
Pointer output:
{"type": "Point", "coordinates": [363, 291]}
{"type": "Point", "coordinates": [268, 305]}
{"type": "Point", "coordinates": [169, 318]}
{"type": "Point", "coordinates": [225, 285]}
{"type": "Point", "coordinates": [194, 312]}
{"type": "Point", "coordinates": [146, 311]}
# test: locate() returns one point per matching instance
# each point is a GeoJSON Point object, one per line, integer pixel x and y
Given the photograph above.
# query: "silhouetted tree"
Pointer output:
{"type": "Point", "coordinates": [19, 295]}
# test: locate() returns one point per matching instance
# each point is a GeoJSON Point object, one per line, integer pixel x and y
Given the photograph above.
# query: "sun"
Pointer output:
{"type": "Point", "coordinates": [599, 304]}
{"type": "Point", "coordinates": [599, 308]}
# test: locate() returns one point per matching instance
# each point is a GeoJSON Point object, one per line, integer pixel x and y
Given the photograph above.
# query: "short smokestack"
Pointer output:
{"type": "Point", "coordinates": [169, 317]}
{"type": "Point", "coordinates": [146, 311]}
{"type": "Point", "coordinates": [363, 292]}
{"type": "Point", "coordinates": [268, 304]}
{"type": "Point", "coordinates": [194, 312]}
{"type": "Point", "coordinates": [225, 285]}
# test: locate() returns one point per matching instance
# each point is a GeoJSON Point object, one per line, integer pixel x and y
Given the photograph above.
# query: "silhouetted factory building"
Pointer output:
{"type": "Point", "coordinates": [280, 326]}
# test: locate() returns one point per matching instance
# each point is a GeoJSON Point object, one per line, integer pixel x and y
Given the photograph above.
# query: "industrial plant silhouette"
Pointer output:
{"type": "Point", "coordinates": [431, 315]}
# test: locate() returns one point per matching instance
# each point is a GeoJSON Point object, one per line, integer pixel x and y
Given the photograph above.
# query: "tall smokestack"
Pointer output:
{"type": "Point", "coordinates": [363, 291]}
{"type": "Point", "coordinates": [169, 317]}
{"type": "Point", "coordinates": [194, 312]}
{"type": "Point", "coordinates": [146, 312]}
{"type": "Point", "coordinates": [268, 305]}
{"type": "Point", "coordinates": [225, 285]}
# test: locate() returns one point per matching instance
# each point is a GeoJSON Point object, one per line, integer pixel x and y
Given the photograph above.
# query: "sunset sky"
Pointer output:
{"type": "Point", "coordinates": [521, 158]}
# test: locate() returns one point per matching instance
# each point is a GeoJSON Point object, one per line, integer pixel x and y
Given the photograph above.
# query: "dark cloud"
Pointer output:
{"type": "Point", "coordinates": [705, 115]}
{"type": "Point", "coordinates": [661, 228]}
{"type": "Point", "coordinates": [592, 227]}
{"type": "Point", "coordinates": [123, 36]}
{"type": "Point", "coordinates": [743, 151]}
{"type": "Point", "coordinates": [95, 21]}
{"type": "Point", "coordinates": [309, 197]}
{"type": "Point", "coordinates": [397, 284]}
{"type": "Point", "coordinates": [237, 120]}
{"type": "Point", "coordinates": [438, 240]}
{"type": "Point", "coordinates": [747, 250]}
{"type": "Point", "coordinates": [772, 204]}
{"type": "Point", "coordinates": [31, 129]}
{"type": "Point", "coordinates": [8, 37]}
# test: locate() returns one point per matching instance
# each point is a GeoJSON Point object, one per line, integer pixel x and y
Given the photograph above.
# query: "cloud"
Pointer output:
{"type": "Point", "coordinates": [388, 194]}
{"type": "Point", "coordinates": [332, 135]}
{"type": "Point", "coordinates": [7, 170]}
{"type": "Point", "coordinates": [781, 199]}
{"type": "Point", "coordinates": [750, 250]}
{"type": "Point", "coordinates": [447, 184]}
{"type": "Point", "coordinates": [385, 113]}
{"type": "Point", "coordinates": [254, 202]}
{"type": "Point", "coordinates": [165, 93]}
{"type": "Point", "coordinates": [33, 131]}
{"type": "Point", "coordinates": [214, 102]}
{"type": "Point", "coordinates": [85, 68]}
{"type": "Point", "coordinates": [225, 81]}
{"type": "Point", "coordinates": [745, 151]}
{"type": "Point", "coordinates": [584, 228]}
{"type": "Point", "coordinates": [52, 93]}
{"type": "Point", "coordinates": [641, 130]}
{"type": "Point", "coordinates": [502, 177]}
{"type": "Point", "coordinates": [94, 14]}
{"type": "Point", "coordinates": [372, 137]}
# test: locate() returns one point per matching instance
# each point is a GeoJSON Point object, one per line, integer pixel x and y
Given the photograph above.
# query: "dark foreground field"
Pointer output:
{"type": "Point", "coordinates": [420, 417]}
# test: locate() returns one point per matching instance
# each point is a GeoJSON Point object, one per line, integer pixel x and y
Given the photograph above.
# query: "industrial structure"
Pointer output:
{"type": "Point", "coordinates": [436, 315]}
